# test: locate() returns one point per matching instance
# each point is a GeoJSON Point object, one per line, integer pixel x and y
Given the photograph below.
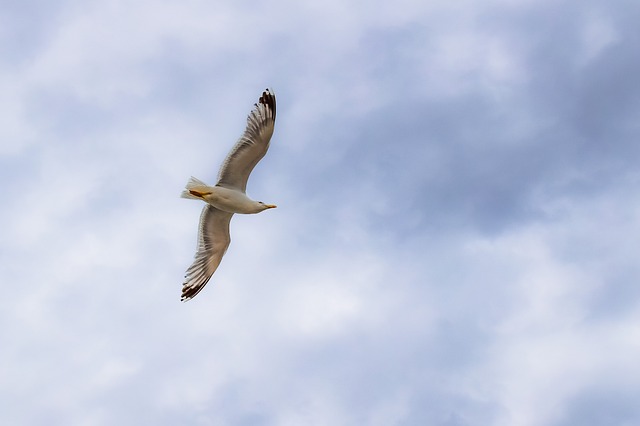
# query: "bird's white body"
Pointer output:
{"type": "Point", "coordinates": [232, 201]}
{"type": "Point", "coordinates": [225, 199]}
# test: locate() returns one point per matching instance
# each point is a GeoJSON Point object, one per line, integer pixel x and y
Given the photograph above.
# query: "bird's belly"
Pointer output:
{"type": "Point", "coordinates": [229, 200]}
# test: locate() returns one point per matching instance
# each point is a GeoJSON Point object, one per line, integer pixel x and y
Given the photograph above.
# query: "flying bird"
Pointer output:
{"type": "Point", "coordinates": [228, 195]}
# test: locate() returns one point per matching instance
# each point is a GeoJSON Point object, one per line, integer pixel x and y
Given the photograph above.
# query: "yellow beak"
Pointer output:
{"type": "Point", "coordinates": [270, 206]}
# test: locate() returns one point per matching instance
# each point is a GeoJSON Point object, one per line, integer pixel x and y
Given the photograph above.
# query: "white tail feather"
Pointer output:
{"type": "Point", "coordinates": [195, 185]}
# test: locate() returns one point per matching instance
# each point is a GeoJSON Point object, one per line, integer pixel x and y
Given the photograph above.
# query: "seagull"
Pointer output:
{"type": "Point", "coordinates": [228, 195]}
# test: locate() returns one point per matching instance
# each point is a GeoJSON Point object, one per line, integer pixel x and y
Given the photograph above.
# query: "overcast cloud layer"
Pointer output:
{"type": "Point", "coordinates": [456, 239]}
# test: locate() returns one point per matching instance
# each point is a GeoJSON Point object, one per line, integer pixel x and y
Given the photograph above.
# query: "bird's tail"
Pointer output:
{"type": "Point", "coordinates": [195, 189]}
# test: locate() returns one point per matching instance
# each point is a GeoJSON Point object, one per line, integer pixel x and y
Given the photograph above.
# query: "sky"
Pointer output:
{"type": "Point", "coordinates": [456, 238]}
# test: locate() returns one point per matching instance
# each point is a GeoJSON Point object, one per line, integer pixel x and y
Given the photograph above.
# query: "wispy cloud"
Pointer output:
{"type": "Point", "coordinates": [454, 243]}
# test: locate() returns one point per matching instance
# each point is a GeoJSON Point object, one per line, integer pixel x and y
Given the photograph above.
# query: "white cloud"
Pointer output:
{"type": "Point", "coordinates": [368, 296]}
{"type": "Point", "coordinates": [598, 34]}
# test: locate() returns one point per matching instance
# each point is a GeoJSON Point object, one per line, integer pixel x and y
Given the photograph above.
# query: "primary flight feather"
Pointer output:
{"type": "Point", "coordinates": [228, 195]}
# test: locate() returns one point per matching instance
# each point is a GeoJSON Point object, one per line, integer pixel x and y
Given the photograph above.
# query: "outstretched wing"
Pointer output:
{"type": "Point", "coordinates": [213, 241]}
{"type": "Point", "coordinates": [252, 146]}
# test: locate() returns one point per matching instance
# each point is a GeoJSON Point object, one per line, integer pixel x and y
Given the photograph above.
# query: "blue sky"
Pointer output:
{"type": "Point", "coordinates": [456, 238]}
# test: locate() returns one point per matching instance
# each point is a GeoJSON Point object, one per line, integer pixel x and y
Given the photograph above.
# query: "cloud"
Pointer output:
{"type": "Point", "coordinates": [454, 239]}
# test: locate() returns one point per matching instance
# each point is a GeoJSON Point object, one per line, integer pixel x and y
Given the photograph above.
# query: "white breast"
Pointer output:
{"type": "Point", "coordinates": [230, 200]}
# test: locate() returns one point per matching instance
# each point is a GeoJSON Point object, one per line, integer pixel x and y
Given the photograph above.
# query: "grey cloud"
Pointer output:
{"type": "Point", "coordinates": [443, 221]}
{"type": "Point", "coordinates": [598, 406]}
{"type": "Point", "coordinates": [468, 160]}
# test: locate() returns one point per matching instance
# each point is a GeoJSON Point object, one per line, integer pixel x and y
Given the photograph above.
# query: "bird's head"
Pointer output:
{"type": "Point", "coordinates": [263, 206]}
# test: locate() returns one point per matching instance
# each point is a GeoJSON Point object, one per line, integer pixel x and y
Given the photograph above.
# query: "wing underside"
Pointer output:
{"type": "Point", "coordinates": [252, 146]}
{"type": "Point", "coordinates": [213, 241]}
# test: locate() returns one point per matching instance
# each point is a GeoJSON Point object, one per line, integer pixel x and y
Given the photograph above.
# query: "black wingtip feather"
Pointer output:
{"type": "Point", "coordinates": [190, 293]}
{"type": "Point", "coordinates": [269, 100]}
